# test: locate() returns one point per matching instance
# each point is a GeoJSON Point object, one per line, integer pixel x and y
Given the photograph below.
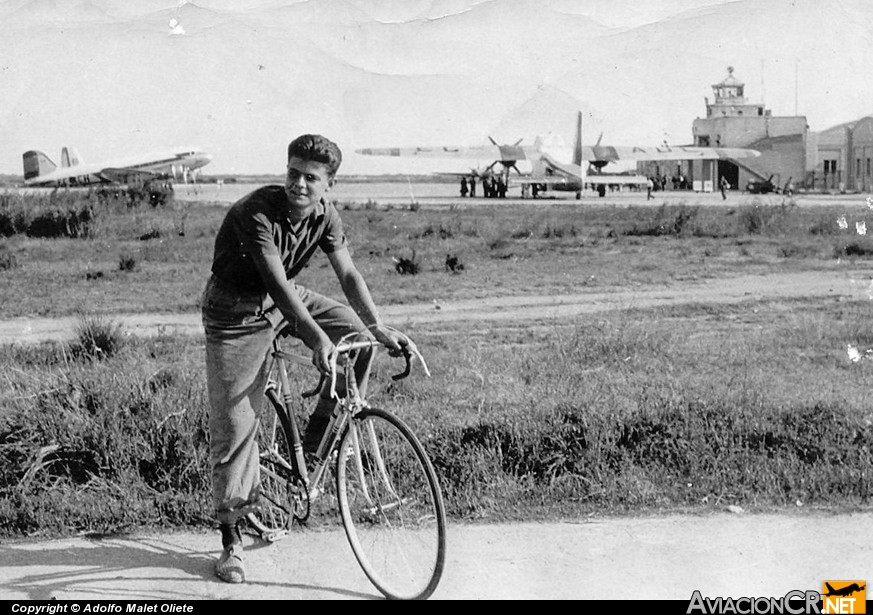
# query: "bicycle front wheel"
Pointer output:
{"type": "Point", "coordinates": [391, 505]}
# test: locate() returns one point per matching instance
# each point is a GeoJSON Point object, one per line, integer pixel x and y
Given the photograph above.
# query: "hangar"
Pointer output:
{"type": "Point", "coordinates": [844, 158]}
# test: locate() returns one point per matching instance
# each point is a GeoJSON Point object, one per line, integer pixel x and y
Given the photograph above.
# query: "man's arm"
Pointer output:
{"type": "Point", "coordinates": [358, 294]}
{"type": "Point", "coordinates": [292, 308]}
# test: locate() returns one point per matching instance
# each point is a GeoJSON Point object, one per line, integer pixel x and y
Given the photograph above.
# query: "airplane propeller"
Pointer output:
{"type": "Point", "coordinates": [508, 158]}
{"type": "Point", "coordinates": [597, 165]}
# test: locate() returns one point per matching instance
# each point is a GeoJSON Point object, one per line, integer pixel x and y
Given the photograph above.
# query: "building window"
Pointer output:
{"type": "Point", "coordinates": [868, 167]}
{"type": "Point", "coordinates": [703, 140]}
{"type": "Point", "coordinates": [858, 167]}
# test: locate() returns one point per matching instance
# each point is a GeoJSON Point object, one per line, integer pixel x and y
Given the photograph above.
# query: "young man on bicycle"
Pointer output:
{"type": "Point", "coordinates": [265, 240]}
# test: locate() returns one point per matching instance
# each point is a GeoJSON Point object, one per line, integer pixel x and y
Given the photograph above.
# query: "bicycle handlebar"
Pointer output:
{"type": "Point", "coordinates": [408, 350]}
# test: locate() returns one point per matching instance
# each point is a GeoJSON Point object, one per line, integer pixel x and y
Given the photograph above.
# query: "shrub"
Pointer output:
{"type": "Point", "coordinates": [405, 266]}
{"type": "Point", "coordinates": [127, 262]}
{"type": "Point", "coordinates": [668, 220]}
{"type": "Point", "coordinates": [758, 219]}
{"type": "Point", "coordinates": [7, 258]}
{"type": "Point", "coordinates": [453, 264]}
{"type": "Point", "coordinates": [97, 338]}
{"type": "Point", "coordinates": [69, 222]}
{"type": "Point", "coordinates": [60, 214]}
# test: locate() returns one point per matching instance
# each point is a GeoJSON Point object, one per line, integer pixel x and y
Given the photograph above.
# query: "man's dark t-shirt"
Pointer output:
{"type": "Point", "coordinates": [258, 223]}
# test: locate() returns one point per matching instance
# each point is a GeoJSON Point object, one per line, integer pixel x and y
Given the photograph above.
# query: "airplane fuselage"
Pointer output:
{"type": "Point", "coordinates": [170, 163]}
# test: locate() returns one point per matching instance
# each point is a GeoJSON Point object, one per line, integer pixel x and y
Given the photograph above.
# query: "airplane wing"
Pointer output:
{"type": "Point", "coordinates": [590, 153]}
{"type": "Point", "coordinates": [682, 152]}
{"type": "Point", "coordinates": [478, 152]}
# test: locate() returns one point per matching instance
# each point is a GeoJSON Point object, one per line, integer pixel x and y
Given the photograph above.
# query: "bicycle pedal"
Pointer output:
{"type": "Point", "coordinates": [274, 536]}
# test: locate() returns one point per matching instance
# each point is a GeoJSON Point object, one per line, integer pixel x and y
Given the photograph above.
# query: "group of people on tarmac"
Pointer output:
{"type": "Point", "coordinates": [492, 187]}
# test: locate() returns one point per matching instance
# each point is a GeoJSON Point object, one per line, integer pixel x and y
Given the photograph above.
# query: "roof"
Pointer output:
{"type": "Point", "coordinates": [730, 80]}
{"type": "Point", "coordinates": [850, 125]}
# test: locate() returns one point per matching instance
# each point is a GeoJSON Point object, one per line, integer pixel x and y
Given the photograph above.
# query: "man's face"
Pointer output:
{"type": "Point", "coordinates": [306, 181]}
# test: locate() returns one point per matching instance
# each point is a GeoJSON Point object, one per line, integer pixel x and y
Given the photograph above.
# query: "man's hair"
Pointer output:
{"type": "Point", "coordinates": [318, 149]}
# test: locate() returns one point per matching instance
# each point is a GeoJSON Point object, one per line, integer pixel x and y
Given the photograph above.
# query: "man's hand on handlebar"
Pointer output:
{"type": "Point", "coordinates": [323, 355]}
{"type": "Point", "coordinates": [396, 343]}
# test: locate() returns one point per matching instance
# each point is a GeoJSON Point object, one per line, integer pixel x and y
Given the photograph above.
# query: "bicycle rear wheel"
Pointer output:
{"type": "Point", "coordinates": [282, 491]}
{"type": "Point", "coordinates": [391, 505]}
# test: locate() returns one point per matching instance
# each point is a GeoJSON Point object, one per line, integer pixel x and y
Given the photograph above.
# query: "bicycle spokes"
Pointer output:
{"type": "Point", "coordinates": [391, 507]}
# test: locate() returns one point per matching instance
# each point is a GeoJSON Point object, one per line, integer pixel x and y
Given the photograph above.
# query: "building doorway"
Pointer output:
{"type": "Point", "coordinates": [731, 172]}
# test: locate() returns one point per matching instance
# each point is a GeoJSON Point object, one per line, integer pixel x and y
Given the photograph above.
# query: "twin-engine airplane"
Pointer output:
{"type": "Point", "coordinates": [39, 170]}
{"type": "Point", "coordinates": [548, 171]}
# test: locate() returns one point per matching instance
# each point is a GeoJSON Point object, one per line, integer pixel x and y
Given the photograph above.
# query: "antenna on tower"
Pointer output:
{"type": "Point", "coordinates": [796, 62]}
{"type": "Point", "coordinates": [763, 101]}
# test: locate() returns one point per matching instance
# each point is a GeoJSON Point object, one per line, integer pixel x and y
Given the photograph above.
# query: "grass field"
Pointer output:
{"type": "Point", "coordinates": [688, 407]}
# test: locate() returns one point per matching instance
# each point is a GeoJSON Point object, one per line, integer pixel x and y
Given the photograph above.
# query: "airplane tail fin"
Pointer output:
{"type": "Point", "coordinates": [577, 145]}
{"type": "Point", "coordinates": [36, 163]}
{"type": "Point", "coordinates": [70, 157]}
{"type": "Point", "coordinates": [828, 585]}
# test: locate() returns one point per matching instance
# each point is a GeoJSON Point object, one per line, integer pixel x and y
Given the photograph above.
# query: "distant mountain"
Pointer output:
{"type": "Point", "coordinates": [240, 78]}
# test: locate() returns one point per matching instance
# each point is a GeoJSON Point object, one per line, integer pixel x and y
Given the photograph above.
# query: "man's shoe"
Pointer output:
{"type": "Point", "coordinates": [230, 567]}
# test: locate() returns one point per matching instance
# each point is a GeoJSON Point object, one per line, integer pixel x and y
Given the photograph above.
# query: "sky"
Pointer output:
{"type": "Point", "coordinates": [241, 78]}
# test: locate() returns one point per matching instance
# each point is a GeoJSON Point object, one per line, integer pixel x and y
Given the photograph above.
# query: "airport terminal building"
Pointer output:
{"type": "Point", "coordinates": [732, 121]}
{"type": "Point", "coordinates": [836, 159]}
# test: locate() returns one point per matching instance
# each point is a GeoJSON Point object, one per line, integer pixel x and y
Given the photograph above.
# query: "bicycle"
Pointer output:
{"type": "Point", "coordinates": [387, 492]}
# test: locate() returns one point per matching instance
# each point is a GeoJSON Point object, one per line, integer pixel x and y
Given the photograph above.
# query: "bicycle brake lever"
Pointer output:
{"type": "Point", "coordinates": [314, 392]}
{"type": "Point", "coordinates": [408, 356]}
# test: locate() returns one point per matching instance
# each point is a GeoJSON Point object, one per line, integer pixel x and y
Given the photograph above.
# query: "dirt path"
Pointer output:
{"type": "Point", "coordinates": [849, 284]}
{"type": "Point", "coordinates": [666, 557]}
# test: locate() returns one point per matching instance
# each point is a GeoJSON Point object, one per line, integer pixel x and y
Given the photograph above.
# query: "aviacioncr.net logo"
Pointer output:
{"type": "Point", "coordinates": [836, 597]}
{"type": "Point", "coordinates": [795, 602]}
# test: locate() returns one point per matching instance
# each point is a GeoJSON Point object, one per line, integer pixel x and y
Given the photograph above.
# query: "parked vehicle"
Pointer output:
{"type": "Point", "coordinates": [756, 186]}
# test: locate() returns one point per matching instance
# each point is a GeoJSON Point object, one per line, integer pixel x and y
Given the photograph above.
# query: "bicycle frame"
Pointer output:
{"type": "Point", "coordinates": [387, 492]}
{"type": "Point", "coordinates": [347, 406]}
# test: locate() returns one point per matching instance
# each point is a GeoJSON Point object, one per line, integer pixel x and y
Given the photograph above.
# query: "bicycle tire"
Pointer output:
{"type": "Point", "coordinates": [399, 541]}
{"type": "Point", "coordinates": [280, 484]}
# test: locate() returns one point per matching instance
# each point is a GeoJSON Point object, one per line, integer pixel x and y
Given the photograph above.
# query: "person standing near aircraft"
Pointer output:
{"type": "Point", "coordinates": [724, 186]}
{"type": "Point", "coordinates": [463, 187]}
{"type": "Point", "coordinates": [472, 186]}
{"type": "Point", "coordinates": [649, 185]}
{"type": "Point", "coordinates": [265, 240]}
